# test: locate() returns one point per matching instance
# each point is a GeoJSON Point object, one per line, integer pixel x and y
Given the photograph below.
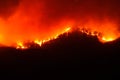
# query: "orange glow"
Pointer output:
{"type": "Point", "coordinates": [27, 23]}
{"type": "Point", "coordinates": [38, 42]}
{"type": "Point", "coordinates": [67, 29]}
{"type": "Point", "coordinates": [21, 45]}
{"type": "Point", "coordinates": [108, 39]}
{"type": "Point", "coordinates": [55, 37]}
{"type": "Point", "coordinates": [105, 39]}
{"type": "Point", "coordinates": [102, 36]}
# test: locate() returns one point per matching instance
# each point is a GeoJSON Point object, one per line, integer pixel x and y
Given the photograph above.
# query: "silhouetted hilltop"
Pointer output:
{"type": "Point", "coordinates": [69, 50]}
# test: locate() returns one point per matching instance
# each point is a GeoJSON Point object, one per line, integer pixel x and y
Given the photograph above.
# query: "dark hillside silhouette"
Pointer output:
{"type": "Point", "coordinates": [69, 50]}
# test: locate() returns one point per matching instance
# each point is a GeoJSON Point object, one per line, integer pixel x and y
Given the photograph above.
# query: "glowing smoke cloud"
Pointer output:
{"type": "Point", "coordinates": [31, 20]}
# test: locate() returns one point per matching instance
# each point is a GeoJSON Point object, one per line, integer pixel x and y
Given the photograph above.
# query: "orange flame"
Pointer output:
{"type": "Point", "coordinates": [108, 39]}
{"type": "Point", "coordinates": [102, 38]}
{"type": "Point", "coordinates": [20, 45]}
{"type": "Point", "coordinates": [27, 23]}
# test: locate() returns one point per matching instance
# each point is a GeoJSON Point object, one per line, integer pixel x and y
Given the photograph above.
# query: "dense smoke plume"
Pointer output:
{"type": "Point", "coordinates": [27, 20]}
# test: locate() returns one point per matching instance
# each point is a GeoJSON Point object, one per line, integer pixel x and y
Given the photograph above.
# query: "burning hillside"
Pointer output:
{"type": "Point", "coordinates": [39, 21]}
{"type": "Point", "coordinates": [67, 32]}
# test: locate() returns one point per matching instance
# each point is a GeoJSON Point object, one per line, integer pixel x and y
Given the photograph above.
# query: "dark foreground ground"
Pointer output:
{"type": "Point", "coordinates": [73, 51]}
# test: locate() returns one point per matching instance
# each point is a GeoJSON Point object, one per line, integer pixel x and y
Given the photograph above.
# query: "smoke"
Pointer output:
{"type": "Point", "coordinates": [22, 20]}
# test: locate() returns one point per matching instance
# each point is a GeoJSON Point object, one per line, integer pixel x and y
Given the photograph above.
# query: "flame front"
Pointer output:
{"type": "Point", "coordinates": [108, 39]}
{"type": "Point", "coordinates": [40, 21]}
{"type": "Point", "coordinates": [102, 38]}
{"type": "Point", "coordinates": [20, 45]}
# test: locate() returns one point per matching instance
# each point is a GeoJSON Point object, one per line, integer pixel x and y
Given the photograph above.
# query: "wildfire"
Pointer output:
{"type": "Point", "coordinates": [102, 38]}
{"type": "Point", "coordinates": [40, 21]}
{"type": "Point", "coordinates": [21, 45]}
{"type": "Point", "coordinates": [109, 39]}
{"type": "Point", "coordinates": [67, 29]}
{"type": "Point", "coordinates": [38, 42]}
